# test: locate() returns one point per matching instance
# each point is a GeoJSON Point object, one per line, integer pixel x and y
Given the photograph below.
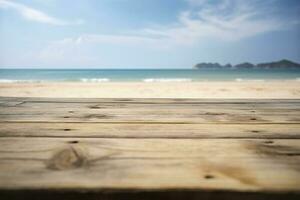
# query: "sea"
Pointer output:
{"type": "Point", "coordinates": [145, 75]}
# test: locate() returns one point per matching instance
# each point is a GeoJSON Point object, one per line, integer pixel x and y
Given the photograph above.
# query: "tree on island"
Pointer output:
{"type": "Point", "coordinates": [282, 64]}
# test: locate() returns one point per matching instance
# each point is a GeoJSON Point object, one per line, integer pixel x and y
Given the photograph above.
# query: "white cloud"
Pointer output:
{"type": "Point", "coordinates": [82, 48]}
{"type": "Point", "coordinates": [229, 20]}
{"type": "Point", "coordinates": [35, 15]}
{"type": "Point", "coordinates": [225, 21]}
{"type": "Point", "coordinates": [110, 39]}
{"type": "Point", "coordinates": [197, 2]}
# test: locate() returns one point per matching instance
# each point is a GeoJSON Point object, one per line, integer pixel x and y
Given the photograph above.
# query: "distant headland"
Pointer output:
{"type": "Point", "coordinates": [282, 64]}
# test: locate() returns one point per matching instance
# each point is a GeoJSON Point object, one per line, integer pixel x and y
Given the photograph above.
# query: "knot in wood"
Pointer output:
{"type": "Point", "coordinates": [69, 158]}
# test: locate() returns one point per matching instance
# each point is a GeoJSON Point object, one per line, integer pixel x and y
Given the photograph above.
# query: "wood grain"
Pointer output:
{"type": "Point", "coordinates": [144, 130]}
{"type": "Point", "coordinates": [200, 145]}
{"type": "Point", "coordinates": [241, 165]}
{"type": "Point", "coordinates": [155, 112]}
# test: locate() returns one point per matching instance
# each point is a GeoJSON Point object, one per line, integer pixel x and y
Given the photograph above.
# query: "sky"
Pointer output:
{"type": "Point", "coordinates": [146, 33]}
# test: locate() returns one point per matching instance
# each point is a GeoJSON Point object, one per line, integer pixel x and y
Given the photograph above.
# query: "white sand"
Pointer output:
{"type": "Point", "coordinates": [269, 89]}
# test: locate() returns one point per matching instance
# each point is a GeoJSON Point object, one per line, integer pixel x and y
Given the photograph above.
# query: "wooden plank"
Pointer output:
{"type": "Point", "coordinates": [200, 145]}
{"type": "Point", "coordinates": [161, 112]}
{"type": "Point", "coordinates": [212, 103]}
{"type": "Point", "coordinates": [210, 164]}
{"type": "Point", "coordinates": [50, 108]}
{"type": "Point", "coordinates": [154, 118]}
{"type": "Point", "coordinates": [171, 131]}
{"type": "Point", "coordinates": [147, 115]}
{"type": "Point", "coordinates": [144, 100]}
{"type": "Point", "coordinates": [243, 105]}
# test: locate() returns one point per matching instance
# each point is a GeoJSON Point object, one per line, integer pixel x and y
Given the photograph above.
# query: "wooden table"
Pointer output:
{"type": "Point", "coordinates": [145, 148]}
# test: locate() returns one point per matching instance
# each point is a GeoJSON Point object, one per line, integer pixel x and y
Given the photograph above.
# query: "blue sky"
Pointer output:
{"type": "Point", "coordinates": [146, 33]}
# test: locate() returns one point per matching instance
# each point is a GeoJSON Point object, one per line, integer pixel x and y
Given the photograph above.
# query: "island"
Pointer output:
{"type": "Point", "coordinates": [282, 64]}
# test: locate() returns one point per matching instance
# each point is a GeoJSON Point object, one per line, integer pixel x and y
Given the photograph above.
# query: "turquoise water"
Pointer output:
{"type": "Point", "coordinates": [145, 75]}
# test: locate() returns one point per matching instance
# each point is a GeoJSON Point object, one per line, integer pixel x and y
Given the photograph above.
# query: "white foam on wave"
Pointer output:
{"type": "Point", "coordinates": [238, 79]}
{"type": "Point", "coordinates": [19, 81]}
{"type": "Point", "coordinates": [151, 80]}
{"type": "Point", "coordinates": [94, 80]}
{"type": "Point", "coordinates": [249, 80]}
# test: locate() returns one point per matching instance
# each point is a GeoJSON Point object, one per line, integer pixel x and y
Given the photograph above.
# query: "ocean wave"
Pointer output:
{"type": "Point", "coordinates": [249, 80]}
{"type": "Point", "coordinates": [151, 80]}
{"type": "Point", "coordinates": [94, 80]}
{"type": "Point", "coordinates": [19, 81]}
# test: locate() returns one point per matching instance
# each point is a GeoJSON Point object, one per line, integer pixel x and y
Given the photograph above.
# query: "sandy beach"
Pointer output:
{"type": "Point", "coordinates": [251, 89]}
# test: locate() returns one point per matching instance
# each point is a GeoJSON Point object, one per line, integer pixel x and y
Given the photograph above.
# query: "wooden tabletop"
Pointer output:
{"type": "Point", "coordinates": [127, 146]}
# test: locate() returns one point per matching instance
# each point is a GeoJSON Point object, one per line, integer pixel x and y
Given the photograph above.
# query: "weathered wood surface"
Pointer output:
{"type": "Point", "coordinates": [144, 130]}
{"type": "Point", "coordinates": [150, 144]}
{"type": "Point", "coordinates": [158, 111]}
{"type": "Point", "coordinates": [56, 163]}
